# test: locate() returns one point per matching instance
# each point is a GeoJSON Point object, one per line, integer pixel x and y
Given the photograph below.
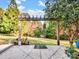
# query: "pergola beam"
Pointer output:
{"type": "Point", "coordinates": [28, 18]}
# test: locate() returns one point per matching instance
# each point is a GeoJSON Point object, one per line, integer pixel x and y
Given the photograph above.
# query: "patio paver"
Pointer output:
{"type": "Point", "coordinates": [28, 52]}
{"type": "Point", "coordinates": [5, 47]}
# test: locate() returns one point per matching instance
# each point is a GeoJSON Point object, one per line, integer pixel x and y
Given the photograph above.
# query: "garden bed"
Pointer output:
{"type": "Point", "coordinates": [40, 47]}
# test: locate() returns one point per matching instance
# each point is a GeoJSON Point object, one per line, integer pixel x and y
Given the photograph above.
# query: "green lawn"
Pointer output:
{"type": "Point", "coordinates": [46, 41]}
{"type": "Point", "coordinates": [33, 41]}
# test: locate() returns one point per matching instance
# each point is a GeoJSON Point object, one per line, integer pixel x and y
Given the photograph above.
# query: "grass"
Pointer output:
{"type": "Point", "coordinates": [6, 39]}
{"type": "Point", "coordinates": [46, 41]}
{"type": "Point", "coordinates": [2, 41]}
{"type": "Point", "coordinates": [33, 40]}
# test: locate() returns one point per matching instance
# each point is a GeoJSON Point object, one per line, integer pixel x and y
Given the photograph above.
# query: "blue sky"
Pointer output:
{"type": "Point", "coordinates": [33, 7]}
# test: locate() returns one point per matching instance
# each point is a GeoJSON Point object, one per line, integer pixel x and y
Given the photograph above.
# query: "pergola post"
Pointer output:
{"type": "Point", "coordinates": [58, 40]}
{"type": "Point", "coordinates": [19, 29]}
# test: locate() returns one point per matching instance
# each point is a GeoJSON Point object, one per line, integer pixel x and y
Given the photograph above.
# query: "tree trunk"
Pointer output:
{"type": "Point", "coordinates": [71, 37]}
{"type": "Point", "coordinates": [76, 32]}
{"type": "Point", "coordinates": [71, 41]}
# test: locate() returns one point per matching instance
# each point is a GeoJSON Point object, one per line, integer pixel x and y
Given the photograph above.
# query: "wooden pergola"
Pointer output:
{"type": "Point", "coordinates": [29, 18]}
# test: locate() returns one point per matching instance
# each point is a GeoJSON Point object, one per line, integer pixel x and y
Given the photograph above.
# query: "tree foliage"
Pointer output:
{"type": "Point", "coordinates": [10, 21]}
{"type": "Point", "coordinates": [1, 14]}
{"type": "Point", "coordinates": [68, 10]}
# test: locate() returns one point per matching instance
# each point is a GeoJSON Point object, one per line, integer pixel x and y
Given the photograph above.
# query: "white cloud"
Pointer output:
{"type": "Point", "coordinates": [18, 1]}
{"type": "Point", "coordinates": [36, 12]}
{"type": "Point", "coordinates": [41, 3]}
{"type": "Point", "coordinates": [23, 0]}
{"type": "Point", "coordinates": [21, 8]}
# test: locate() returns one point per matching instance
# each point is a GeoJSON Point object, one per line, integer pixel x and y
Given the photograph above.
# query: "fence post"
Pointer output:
{"type": "Point", "coordinates": [58, 40]}
{"type": "Point", "coordinates": [19, 30]}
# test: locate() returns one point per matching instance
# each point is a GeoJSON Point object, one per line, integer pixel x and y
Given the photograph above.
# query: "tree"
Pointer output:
{"type": "Point", "coordinates": [10, 19]}
{"type": "Point", "coordinates": [52, 10]}
{"type": "Point", "coordinates": [1, 14]}
{"type": "Point", "coordinates": [66, 10]}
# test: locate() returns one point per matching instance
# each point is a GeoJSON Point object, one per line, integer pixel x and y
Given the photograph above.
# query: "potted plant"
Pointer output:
{"type": "Point", "coordinates": [16, 41]}
{"type": "Point", "coordinates": [69, 51]}
{"type": "Point", "coordinates": [77, 43]}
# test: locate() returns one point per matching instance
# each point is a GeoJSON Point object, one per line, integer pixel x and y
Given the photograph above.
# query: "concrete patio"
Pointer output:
{"type": "Point", "coordinates": [4, 47]}
{"type": "Point", "coordinates": [28, 52]}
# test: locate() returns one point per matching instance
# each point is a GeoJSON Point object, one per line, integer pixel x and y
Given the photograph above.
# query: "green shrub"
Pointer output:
{"type": "Point", "coordinates": [77, 40]}
{"type": "Point", "coordinates": [25, 41]}
{"type": "Point", "coordinates": [49, 33]}
{"type": "Point", "coordinates": [37, 32]}
{"type": "Point", "coordinates": [50, 29]}
{"type": "Point", "coordinates": [64, 37]}
{"type": "Point", "coordinates": [70, 52]}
